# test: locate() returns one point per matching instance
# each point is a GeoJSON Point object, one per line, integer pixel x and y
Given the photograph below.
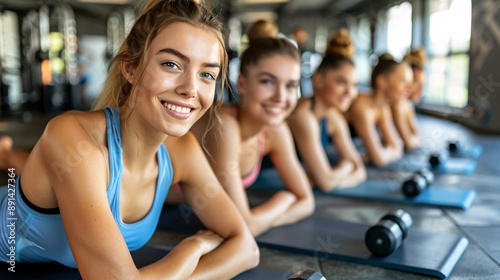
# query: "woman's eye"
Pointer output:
{"type": "Point", "coordinates": [208, 75]}
{"type": "Point", "coordinates": [341, 82]}
{"type": "Point", "coordinates": [266, 82]}
{"type": "Point", "coordinates": [292, 86]}
{"type": "Point", "coordinates": [170, 64]}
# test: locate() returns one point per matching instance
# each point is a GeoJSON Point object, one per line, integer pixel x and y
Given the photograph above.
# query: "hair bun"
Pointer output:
{"type": "Point", "coordinates": [416, 58]}
{"type": "Point", "coordinates": [262, 29]}
{"type": "Point", "coordinates": [385, 57]}
{"type": "Point", "coordinates": [341, 43]}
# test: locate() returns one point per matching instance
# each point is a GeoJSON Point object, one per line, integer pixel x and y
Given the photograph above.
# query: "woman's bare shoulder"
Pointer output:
{"type": "Point", "coordinates": [73, 128]}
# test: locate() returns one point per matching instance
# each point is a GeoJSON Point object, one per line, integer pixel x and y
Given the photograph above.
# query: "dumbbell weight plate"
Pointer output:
{"type": "Point", "coordinates": [402, 218]}
{"type": "Point", "coordinates": [454, 146]}
{"type": "Point", "coordinates": [383, 238]}
{"type": "Point", "coordinates": [438, 158]}
{"type": "Point", "coordinates": [414, 186]}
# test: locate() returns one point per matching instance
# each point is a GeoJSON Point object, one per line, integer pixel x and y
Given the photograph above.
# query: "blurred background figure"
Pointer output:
{"type": "Point", "coordinates": [300, 36]}
{"type": "Point", "coordinates": [416, 59]}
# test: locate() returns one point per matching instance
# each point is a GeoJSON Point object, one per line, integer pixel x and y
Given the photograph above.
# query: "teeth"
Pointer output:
{"type": "Point", "coordinates": [274, 110]}
{"type": "Point", "coordinates": [178, 109]}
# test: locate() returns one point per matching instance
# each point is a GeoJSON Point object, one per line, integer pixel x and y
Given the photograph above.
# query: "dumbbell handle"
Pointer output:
{"type": "Point", "coordinates": [427, 174]}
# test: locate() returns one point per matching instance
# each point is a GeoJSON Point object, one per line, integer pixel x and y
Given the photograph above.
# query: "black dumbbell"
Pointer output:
{"type": "Point", "coordinates": [437, 159]}
{"type": "Point", "coordinates": [388, 234]}
{"type": "Point", "coordinates": [307, 275]}
{"type": "Point", "coordinates": [419, 181]}
{"type": "Point", "coordinates": [454, 145]}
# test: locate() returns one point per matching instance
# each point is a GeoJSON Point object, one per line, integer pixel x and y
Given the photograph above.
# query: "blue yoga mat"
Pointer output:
{"type": "Point", "coordinates": [460, 162]}
{"type": "Point", "coordinates": [142, 257]}
{"type": "Point", "coordinates": [434, 254]}
{"type": "Point", "coordinates": [384, 190]}
{"type": "Point", "coordinates": [464, 166]}
{"type": "Point", "coordinates": [474, 152]}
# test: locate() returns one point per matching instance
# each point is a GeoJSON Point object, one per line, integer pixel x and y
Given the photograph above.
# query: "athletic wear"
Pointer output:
{"type": "Point", "coordinates": [325, 138]}
{"type": "Point", "coordinates": [251, 177]}
{"type": "Point", "coordinates": [323, 126]}
{"type": "Point", "coordinates": [248, 179]}
{"type": "Point", "coordinates": [41, 237]}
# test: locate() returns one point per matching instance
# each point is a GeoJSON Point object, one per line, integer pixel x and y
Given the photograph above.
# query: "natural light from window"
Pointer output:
{"type": "Point", "coordinates": [448, 67]}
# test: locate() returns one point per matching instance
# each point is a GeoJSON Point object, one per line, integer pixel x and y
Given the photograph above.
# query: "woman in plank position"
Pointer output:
{"type": "Point", "coordinates": [403, 111]}
{"type": "Point", "coordinates": [318, 122]}
{"type": "Point", "coordinates": [371, 116]}
{"type": "Point", "coordinates": [268, 83]}
{"type": "Point", "coordinates": [94, 184]}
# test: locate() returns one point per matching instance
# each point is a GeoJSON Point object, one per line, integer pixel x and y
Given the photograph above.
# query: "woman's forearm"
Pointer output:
{"type": "Point", "coordinates": [236, 254]}
{"type": "Point", "coordinates": [335, 176]}
{"type": "Point", "coordinates": [355, 178]}
{"type": "Point", "coordinates": [180, 263]}
{"type": "Point", "coordinates": [412, 141]}
{"type": "Point", "coordinates": [386, 155]}
{"type": "Point", "coordinates": [264, 216]}
{"type": "Point", "coordinates": [301, 209]}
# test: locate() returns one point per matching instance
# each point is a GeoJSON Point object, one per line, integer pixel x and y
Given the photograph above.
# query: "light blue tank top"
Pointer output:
{"type": "Point", "coordinates": [41, 237]}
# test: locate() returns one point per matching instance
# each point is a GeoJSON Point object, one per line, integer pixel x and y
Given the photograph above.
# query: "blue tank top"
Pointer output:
{"type": "Point", "coordinates": [325, 138]}
{"type": "Point", "coordinates": [41, 237]}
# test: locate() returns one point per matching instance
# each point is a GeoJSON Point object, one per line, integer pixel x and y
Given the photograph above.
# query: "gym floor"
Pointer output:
{"type": "Point", "coordinates": [480, 223]}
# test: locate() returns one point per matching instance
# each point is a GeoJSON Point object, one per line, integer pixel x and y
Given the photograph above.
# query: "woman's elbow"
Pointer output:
{"type": "Point", "coordinates": [308, 207]}
{"type": "Point", "coordinates": [379, 161]}
{"type": "Point", "coordinates": [416, 141]}
{"type": "Point", "coordinates": [254, 226]}
{"type": "Point", "coordinates": [251, 252]}
{"type": "Point", "coordinates": [326, 185]}
{"type": "Point", "coordinates": [360, 174]}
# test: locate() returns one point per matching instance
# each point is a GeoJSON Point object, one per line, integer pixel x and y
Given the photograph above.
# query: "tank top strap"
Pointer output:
{"type": "Point", "coordinates": [325, 138]}
{"type": "Point", "coordinates": [114, 155]}
{"type": "Point", "coordinates": [166, 172]}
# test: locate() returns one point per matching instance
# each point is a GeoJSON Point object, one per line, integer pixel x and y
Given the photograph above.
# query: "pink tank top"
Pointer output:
{"type": "Point", "coordinates": [250, 178]}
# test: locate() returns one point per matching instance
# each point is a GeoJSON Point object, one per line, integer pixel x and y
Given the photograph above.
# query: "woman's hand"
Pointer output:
{"type": "Point", "coordinates": [286, 197]}
{"type": "Point", "coordinates": [207, 239]}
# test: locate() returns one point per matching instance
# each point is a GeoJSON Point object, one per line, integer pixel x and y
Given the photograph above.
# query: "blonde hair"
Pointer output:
{"type": "Point", "coordinates": [157, 15]}
{"type": "Point", "coordinates": [265, 47]}
{"type": "Point", "coordinates": [340, 51]}
{"type": "Point", "coordinates": [416, 58]}
{"type": "Point", "coordinates": [262, 29]}
{"type": "Point", "coordinates": [341, 43]}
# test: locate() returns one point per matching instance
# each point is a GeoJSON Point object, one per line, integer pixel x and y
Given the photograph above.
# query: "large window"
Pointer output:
{"type": "Point", "coordinates": [448, 46]}
{"type": "Point", "coordinates": [10, 58]}
{"type": "Point", "coordinates": [360, 32]}
{"type": "Point", "coordinates": [399, 29]}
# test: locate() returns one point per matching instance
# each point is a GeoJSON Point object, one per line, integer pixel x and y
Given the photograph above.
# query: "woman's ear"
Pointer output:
{"type": "Point", "coordinates": [381, 81]}
{"type": "Point", "coordinates": [127, 71]}
{"type": "Point", "coordinates": [317, 80]}
{"type": "Point", "coordinates": [240, 84]}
